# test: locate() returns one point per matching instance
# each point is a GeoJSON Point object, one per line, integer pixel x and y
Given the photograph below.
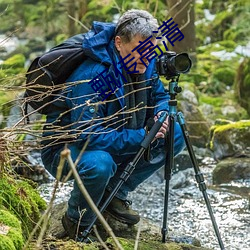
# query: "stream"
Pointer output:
{"type": "Point", "coordinates": [187, 212]}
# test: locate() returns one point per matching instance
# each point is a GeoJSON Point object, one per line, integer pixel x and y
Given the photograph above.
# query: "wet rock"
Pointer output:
{"type": "Point", "coordinates": [181, 179]}
{"type": "Point", "coordinates": [231, 169]}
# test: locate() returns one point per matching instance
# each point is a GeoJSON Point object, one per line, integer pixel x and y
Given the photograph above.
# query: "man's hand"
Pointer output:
{"type": "Point", "coordinates": [164, 128]}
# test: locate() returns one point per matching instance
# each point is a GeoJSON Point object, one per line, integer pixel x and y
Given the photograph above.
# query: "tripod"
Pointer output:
{"type": "Point", "coordinates": [173, 90]}
{"type": "Point", "coordinates": [169, 163]}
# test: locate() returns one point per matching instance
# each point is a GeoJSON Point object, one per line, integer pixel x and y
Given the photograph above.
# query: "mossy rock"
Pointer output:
{"type": "Point", "coordinates": [10, 231]}
{"type": "Point", "coordinates": [231, 169]}
{"type": "Point", "coordinates": [232, 139]}
{"type": "Point", "coordinates": [128, 244]}
{"type": "Point", "coordinates": [221, 107]}
{"type": "Point", "coordinates": [22, 200]}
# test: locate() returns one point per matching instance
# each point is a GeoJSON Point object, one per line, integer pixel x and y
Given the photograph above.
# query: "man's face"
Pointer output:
{"type": "Point", "coordinates": [126, 48]}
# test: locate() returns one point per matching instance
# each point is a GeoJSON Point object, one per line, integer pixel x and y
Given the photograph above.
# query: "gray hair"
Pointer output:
{"type": "Point", "coordinates": [136, 22]}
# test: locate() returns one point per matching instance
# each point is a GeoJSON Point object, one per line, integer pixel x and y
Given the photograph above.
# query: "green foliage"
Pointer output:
{"type": "Point", "coordinates": [221, 23]}
{"type": "Point", "coordinates": [242, 84]}
{"type": "Point", "coordinates": [230, 23]}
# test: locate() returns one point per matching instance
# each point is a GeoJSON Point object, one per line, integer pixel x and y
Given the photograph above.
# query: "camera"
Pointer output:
{"type": "Point", "coordinates": [172, 65]}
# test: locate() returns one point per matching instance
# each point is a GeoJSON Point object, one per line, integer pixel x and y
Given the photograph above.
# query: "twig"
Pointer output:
{"type": "Point", "coordinates": [137, 236]}
{"type": "Point", "coordinates": [99, 238]}
{"type": "Point", "coordinates": [66, 154]}
{"type": "Point", "coordinates": [77, 21]}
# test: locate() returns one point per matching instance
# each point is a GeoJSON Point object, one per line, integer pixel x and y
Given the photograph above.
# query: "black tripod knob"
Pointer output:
{"type": "Point", "coordinates": [177, 89]}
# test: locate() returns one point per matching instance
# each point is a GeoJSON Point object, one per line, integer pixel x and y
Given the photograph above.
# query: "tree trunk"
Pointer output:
{"type": "Point", "coordinates": [72, 13]}
{"type": "Point", "coordinates": [83, 7]}
{"type": "Point", "coordinates": [183, 14]}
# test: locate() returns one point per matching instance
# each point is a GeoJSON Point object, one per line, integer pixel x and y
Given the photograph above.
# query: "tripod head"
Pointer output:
{"type": "Point", "coordinates": [174, 89]}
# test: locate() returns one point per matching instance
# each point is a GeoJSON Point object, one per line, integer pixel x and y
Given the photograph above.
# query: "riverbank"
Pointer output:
{"type": "Point", "coordinates": [188, 215]}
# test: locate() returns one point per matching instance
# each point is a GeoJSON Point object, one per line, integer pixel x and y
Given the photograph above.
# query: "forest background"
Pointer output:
{"type": "Point", "coordinates": [216, 36]}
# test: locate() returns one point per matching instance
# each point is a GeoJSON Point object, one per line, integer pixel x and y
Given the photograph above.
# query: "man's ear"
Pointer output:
{"type": "Point", "coordinates": [118, 43]}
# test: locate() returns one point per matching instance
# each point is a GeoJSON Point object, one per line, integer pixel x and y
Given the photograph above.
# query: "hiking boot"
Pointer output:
{"type": "Point", "coordinates": [75, 231]}
{"type": "Point", "coordinates": [121, 211]}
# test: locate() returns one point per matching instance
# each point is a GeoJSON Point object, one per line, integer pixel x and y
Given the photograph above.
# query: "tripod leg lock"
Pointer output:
{"type": "Point", "coordinates": [200, 180]}
{"type": "Point", "coordinates": [127, 172]}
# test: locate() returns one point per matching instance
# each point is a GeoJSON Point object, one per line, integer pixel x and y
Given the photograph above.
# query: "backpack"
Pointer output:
{"type": "Point", "coordinates": [48, 73]}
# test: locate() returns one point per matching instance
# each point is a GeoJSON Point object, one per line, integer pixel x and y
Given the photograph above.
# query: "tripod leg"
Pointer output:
{"type": "Point", "coordinates": [199, 177]}
{"type": "Point", "coordinates": [168, 173]}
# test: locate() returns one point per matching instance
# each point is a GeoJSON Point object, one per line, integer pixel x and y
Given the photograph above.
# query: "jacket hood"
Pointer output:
{"type": "Point", "coordinates": [99, 41]}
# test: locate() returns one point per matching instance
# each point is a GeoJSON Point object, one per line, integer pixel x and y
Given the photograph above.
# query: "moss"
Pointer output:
{"type": "Point", "coordinates": [17, 61]}
{"type": "Point", "coordinates": [22, 200]}
{"type": "Point", "coordinates": [236, 125]}
{"type": "Point", "coordinates": [10, 220]}
{"type": "Point", "coordinates": [128, 244]}
{"type": "Point", "coordinates": [212, 100]}
{"type": "Point", "coordinates": [224, 75]}
{"type": "Point", "coordinates": [13, 239]}
{"type": "Point", "coordinates": [228, 45]}
{"type": "Point", "coordinates": [13, 71]}
{"type": "Point", "coordinates": [16, 237]}
{"type": "Point", "coordinates": [6, 243]}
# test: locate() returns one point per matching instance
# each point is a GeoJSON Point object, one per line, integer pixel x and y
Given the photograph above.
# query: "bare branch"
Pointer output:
{"type": "Point", "coordinates": [79, 22]}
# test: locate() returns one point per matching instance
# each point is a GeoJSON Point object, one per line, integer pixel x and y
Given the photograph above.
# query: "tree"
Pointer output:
{"type": "Point", "coordinates": [183, 14]}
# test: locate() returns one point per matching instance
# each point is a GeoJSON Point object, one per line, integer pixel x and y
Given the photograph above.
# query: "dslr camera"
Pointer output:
{"type": "Point", "coordinates": [172, 65]}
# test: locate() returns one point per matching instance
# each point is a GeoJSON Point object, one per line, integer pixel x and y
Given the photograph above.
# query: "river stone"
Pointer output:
{"type": "Point", "coordinates": [231, 139]}
{"type": "Point", "coordinates": [231, 169]}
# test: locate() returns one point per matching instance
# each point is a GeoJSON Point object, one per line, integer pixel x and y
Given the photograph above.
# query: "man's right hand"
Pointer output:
{"type": "Point", "coordinates": [164, 128]}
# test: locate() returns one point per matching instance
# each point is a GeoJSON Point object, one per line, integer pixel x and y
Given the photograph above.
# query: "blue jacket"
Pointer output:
{"type": "Point", "coordinates": [102, 123]}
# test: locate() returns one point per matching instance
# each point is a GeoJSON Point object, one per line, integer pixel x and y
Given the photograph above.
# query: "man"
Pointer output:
{"type": "Point", "coordinates": [111, 124]}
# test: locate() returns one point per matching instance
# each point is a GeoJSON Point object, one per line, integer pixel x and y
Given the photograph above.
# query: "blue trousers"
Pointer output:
{"type": "Point", "coordinates": [100, 170]}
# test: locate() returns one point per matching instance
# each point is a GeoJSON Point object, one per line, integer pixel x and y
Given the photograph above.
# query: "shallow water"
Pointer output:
{"type": "Point", "coordinates": [188, 215]}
